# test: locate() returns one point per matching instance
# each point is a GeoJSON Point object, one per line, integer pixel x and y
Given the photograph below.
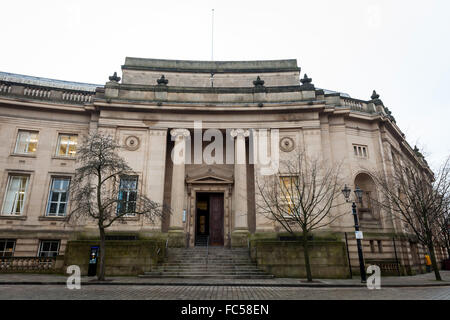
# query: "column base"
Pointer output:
{"type": "Point", "coordinates": [177, 238]}
{"type": "Point", "coordinates": [239, 238]}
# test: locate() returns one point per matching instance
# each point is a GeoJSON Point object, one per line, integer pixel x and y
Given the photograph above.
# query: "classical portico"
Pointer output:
{"type": "Point", "coordinates": [191, 180]}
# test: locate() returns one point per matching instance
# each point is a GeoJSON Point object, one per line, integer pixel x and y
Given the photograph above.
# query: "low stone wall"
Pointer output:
{"type": "Point", "coordinates": [285, 259]}
{"type": "Point", "coordinates": [130, 257]}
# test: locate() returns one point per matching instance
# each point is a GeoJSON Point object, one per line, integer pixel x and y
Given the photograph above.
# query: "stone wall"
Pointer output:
{"type": "Point", "coordinates": [285, 259]}
{"type": "Point", "coordinates": [131, 257]}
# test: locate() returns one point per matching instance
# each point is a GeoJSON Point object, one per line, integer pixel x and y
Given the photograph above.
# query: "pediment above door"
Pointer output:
{"type": "Point", "coordinates": [209, 175]}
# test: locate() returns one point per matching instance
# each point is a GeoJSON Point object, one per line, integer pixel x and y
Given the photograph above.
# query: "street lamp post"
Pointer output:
{"type": "Point", "coordinates": [358, 193]}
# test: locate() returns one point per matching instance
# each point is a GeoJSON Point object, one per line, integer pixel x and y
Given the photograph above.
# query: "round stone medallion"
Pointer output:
{"type": "Point", "coordinates": [132, 143]}
{"type": "Point", "coordinates": [287, 144]}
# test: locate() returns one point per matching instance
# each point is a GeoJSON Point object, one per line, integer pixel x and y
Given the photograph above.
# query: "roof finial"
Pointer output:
{"type": "Point", "coordinates": [375, 95]}
{"type": "Point", "coordinates": [162, 81]}
{"type": "Point", "coordinates": [306, 80]}
{"type": "Point", "coordinates": [307, 84]}
{"type": "Point", "coordinates": [258, 82]}
{"type": "Point", "coordinates": [114, 77]}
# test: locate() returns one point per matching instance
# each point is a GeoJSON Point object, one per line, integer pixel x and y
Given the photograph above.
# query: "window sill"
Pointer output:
{"type": "Point", "coordinates": [11, 217]}
{"type": "Point", "coordinates": [22, 155]}
{"type": "Point", "coordinates": [135, 218]}
{"type": "Point", "coordinates": [50, 218]}
{"type": "Point", "coordinates": [64, 158]}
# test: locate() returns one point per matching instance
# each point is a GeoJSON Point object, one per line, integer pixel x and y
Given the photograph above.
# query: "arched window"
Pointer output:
{"type": "Point", "coordinates": [367, 209]}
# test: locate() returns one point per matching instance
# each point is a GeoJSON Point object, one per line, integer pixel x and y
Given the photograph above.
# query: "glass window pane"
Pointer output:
{"type": "Point", "coordinates": [9, 245]}
{"type": "Point", "coordinates": [45, 246]}
{"type": "Point", "coordinates": [21, 145]}
{"type": "Point", "coordinates": [62, 145]}
{"type": "Point", "coordinates": [65, 184]}
{"type": "Point", "coordinates": [63, 197]}
{"type": "Point", "coordinates": [62, 208]}
{"type": "Point", "coordinates": [53, 246]}
{"type": "Point", "coordinates": [55, 196]}
{"type": "Point", "coordinates": [52, 208]}
{"type": "Point", "coordinates": [72, 147]}
{"type": "Point", "coordinates": [32, 142]}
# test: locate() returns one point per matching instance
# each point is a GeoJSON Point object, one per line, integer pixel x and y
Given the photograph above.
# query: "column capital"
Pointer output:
{"type": "Point", "coordinates": [180, 133]}
{"type": "Point", "coordinates": [240, 133]}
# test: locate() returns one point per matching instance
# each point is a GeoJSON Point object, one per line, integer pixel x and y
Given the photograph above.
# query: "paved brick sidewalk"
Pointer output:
{"type": "Point", "coordinates": [184, 292]}
{"type": "Point", "coordinates": [410, 281]}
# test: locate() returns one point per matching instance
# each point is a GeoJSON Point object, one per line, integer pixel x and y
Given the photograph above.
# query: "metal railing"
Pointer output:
{"type": "Point", "coordinates": [167, 246]}
{"type": "Point", "coordinates": [207, 252]}
{"type": "Point", "coordinates": [27, 263]}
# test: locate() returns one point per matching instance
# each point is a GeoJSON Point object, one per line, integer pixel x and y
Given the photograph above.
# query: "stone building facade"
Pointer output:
{"type": "Point", "coordinates": [161, 105]}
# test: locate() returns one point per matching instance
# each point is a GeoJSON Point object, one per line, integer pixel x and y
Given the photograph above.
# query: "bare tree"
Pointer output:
{"type": "Point", "coordinates": [444, 228]}
{"type": "Point", "coordinates": [95, 189]}
{"type": "Point", "coordinates": [300, 197]}
{"type": "Point", "coordinates": [417, 200]}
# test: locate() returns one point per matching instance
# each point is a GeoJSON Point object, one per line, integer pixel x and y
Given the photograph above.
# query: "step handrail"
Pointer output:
{"type": "Point", "coordinates": [167, 246]}
{"type": "Point", "coordinates": [207, 252]}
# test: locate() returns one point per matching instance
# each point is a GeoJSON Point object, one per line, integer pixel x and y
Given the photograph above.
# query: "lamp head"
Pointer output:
{"type": "Point", "coordinates": [358, 194]}
{"type": "Point", "coordinates": [346, 192]}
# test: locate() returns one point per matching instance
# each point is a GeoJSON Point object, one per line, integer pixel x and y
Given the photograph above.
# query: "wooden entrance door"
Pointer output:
{"type": "Point", "coordinates": [216, 219]}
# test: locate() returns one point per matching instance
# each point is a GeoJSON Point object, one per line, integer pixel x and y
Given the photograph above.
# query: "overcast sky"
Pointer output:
{"type": "Point", "coordinates": [400, 48]}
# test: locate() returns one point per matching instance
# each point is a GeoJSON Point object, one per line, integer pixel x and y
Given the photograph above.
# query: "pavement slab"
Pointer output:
{"type": "Point", "coordinates": [422, 280]}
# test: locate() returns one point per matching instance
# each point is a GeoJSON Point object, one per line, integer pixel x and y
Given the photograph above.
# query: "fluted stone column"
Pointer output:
{"type": "Point", "coordinates": [240, 230]}
{"type": "Point", "coordinates": [176, 229]}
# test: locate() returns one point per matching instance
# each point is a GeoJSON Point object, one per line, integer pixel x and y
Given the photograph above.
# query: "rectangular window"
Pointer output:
{"type": "Point", "coordinates": [360, 151]}
{"type": "Point", "coordinates": [7, 247]}
{"type": "Point", "coordinates": [58, 197]}
{"type": "Point", "coordinates": [48, 248]}
{"type": "Point", "coordinates": [15, 195]}
{"type": "Point", "coordinates": [67, 145]}
{"type": "Point", "coordinates": [26, 142]}
{"type": "Point", "coordinates": [288, 192]}
{"type": "Point", "coordinates": [127, 195]}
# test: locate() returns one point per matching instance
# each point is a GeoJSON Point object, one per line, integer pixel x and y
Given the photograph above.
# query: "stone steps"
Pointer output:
{"type": "Point", "coordinates": [203, 276]}
{"type": "Point", "coordinates": [209, 263]}
{"type": "Point", "coordinates": [213, 269]}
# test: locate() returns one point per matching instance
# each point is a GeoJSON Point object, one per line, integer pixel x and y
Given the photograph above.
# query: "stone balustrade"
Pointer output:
{"type": "Point", "coordinates": [46, 93]}
{"type": "Point", "coordinates": [36, 92]}
{"type": "Point", "coordinates": [5, 88]}
{"type": "Point", "coordinates": [16, 264]}
{"type": "Point", "coordinates": [77, 96]}
{"type": "Point", "coordinates": [354, 104]}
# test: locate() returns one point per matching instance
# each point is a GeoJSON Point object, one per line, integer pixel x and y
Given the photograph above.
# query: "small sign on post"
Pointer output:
{"type": "Point", "coordinates": [359, 235]}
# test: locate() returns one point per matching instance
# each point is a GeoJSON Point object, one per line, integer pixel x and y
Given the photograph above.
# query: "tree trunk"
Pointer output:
{"type": "Point", "coordinates": [306, 255]}
{"type": "Point", "coordinates": [434, 263]}
{"type": "Point", "coordinates": [101, 274]}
